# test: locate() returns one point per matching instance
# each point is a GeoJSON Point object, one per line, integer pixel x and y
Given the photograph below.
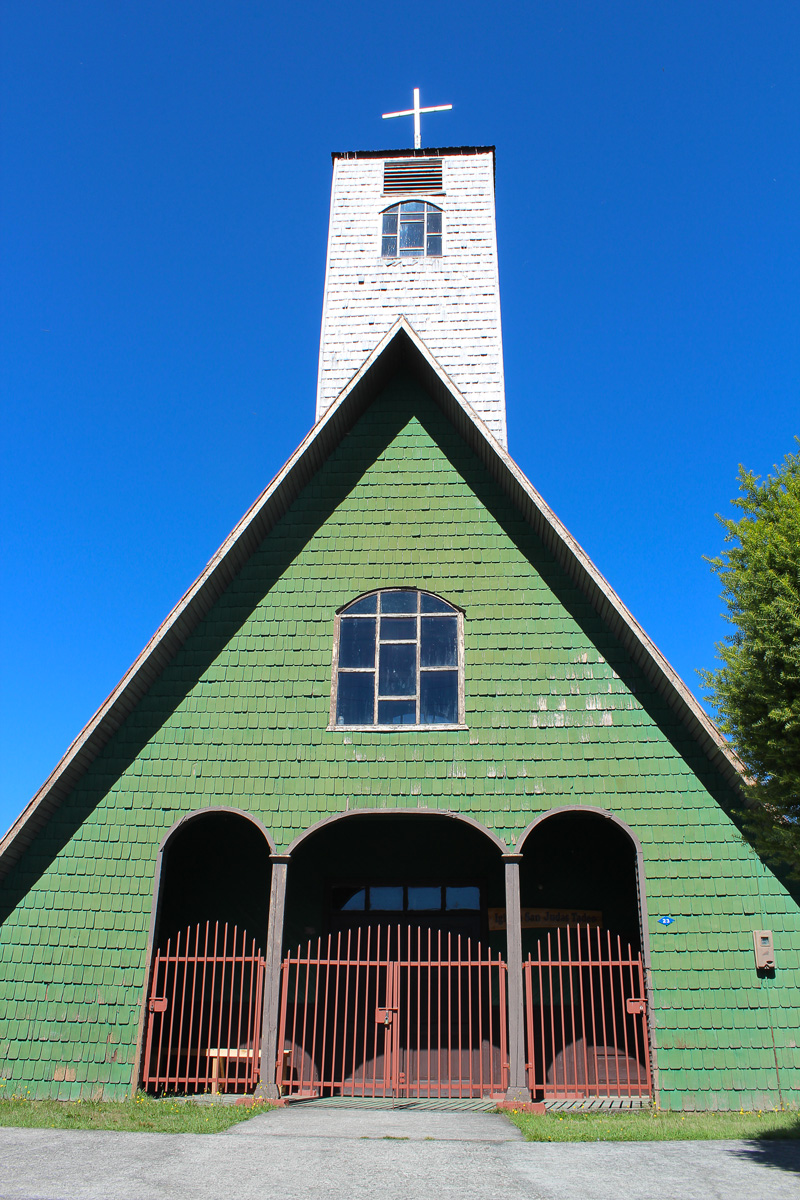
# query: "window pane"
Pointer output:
{"type": "Point", "coordinates": [433, 604]}
{"type": "Point", "coordinates": [411, 253]}
{"type": "Point", "coordinates": [355, 697]}
{"type": "Point", "coordinates": [389, 247]}
{"type": "Point", "coordinates": [386, 899]}
{"type": "Point", "coordinates": [434, 221]}
{"type": "Point", "coordinates": [397, 712]}
{"type": "Point", "coordinates": [357, 642]}
{"type": "Point", "coordinates": [390, 223]}
{"type": "Point", "coordinates": [398, 602]}
{"type": "Point", "coordinates": [348, 899]}
{"type": "Point", "coordinates": [439, 637]}
{"type": "Point", "coordinates": [412, 235]}
{"type": "Point", "coordinates": [413, 206]}
{"type": "Point", "coordinates": [438, 698]}
{"type": "Point", "coordinates": [425, 899]}
{"type": "Point", "coordinates": [397, 671]}
{"type": "Point", "coordinates": [368, 605]}
{"type": "Point", "coordinates": [435, 245]}
{"type": "Point", "coordinates": [399, 628]}
{"type": "Point", "coordinates": [459, 898]}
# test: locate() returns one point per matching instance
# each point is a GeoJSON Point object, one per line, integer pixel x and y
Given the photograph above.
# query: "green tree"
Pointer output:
{"type": "Point", "coordinates": [756, 690]}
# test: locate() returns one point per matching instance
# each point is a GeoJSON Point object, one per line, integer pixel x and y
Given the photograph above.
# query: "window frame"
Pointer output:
{"type": "Point", "coordinates": [423, 253]}
{"type": "Point", "coordinates": [459, 668]}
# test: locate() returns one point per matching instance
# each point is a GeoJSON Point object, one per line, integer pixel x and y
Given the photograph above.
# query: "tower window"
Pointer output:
{"type": "Point", "coordinates": [398, 660]}
{"type": "Point", "coordinates": [412, 229]}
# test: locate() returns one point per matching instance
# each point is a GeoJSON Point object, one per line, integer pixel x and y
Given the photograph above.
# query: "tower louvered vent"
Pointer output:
{"type": "Point", "coordinates": [413, 175]}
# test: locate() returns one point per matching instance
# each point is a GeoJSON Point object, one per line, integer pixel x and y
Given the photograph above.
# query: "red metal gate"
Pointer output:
{"type": "Point", "coordinates": [393, 1012]}
{"type": "Point", "coordinates": [586, 1023]}
{"type": "Point", "coordinates": [204, 1012]}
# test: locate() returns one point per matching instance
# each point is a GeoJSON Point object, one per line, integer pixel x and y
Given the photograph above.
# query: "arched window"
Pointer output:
{"type": "Point", "coordinates": [398, 660]}
{"type": "Point", "coordinates": [412, 229]}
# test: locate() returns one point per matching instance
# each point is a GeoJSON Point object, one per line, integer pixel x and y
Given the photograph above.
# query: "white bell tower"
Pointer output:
{"type": "Point", "coordinates": [412, 233]}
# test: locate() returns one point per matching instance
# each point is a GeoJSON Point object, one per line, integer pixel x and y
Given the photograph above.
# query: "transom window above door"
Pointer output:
{"type": "Point", "coordinates": [412, 229]}
{"type": "Point", "coordinates": [421, 898]}
{"type": "Point", "coordinates": [398, 661]}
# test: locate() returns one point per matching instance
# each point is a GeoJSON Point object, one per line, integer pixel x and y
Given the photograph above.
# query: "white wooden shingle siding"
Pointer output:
{"type": "Point", "coordinates": [452, 302]}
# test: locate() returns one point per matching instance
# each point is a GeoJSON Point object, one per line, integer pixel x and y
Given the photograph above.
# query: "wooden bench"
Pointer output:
{"type": "Point", "coordinates": [219, 1057]}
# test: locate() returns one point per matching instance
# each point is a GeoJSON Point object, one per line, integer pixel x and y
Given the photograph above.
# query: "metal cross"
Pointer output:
{"type": "Point", "coordinates": [415, 113]}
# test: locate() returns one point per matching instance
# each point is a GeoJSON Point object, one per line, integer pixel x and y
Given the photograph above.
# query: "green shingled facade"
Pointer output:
{"type": "Point", "coordinates": [557, 715]}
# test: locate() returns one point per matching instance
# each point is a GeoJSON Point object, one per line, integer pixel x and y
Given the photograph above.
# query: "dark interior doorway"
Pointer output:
{"type": "Point", "coordinates": [586, 1024]}
{"type": "Point", "coordinates": [203, 1008]}
{"type": "Point", "coordinates": [580, 862]}
{"type": "Point", "coordinates": [402, 870]}
{"type": "Point", "coordinates": [216, 868]}
{"type": "Point", "coordinates": [391, 986]}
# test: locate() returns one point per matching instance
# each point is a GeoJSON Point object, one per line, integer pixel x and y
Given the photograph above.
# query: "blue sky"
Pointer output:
{"type": "Point", "coordinates": [165, 190]}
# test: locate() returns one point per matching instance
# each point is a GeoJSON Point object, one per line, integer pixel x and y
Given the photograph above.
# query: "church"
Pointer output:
{"type": "Point", "coordinates": [400, 802]}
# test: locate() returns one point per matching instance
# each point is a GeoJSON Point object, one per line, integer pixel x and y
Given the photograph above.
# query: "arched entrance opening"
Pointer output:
{"type": "Point", "coordinates": [202, 1026]}
{"type": "Point", "coordinates": [392, 982]}
{"type": "Point", "coordinates": [215, 867]}
{"type": "Point", "coordinates": [582, 936]}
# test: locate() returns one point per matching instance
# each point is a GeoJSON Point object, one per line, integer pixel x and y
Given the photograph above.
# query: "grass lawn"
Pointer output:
{"type": "Point", "coordinates": [142, 1114]}
{"type": "Point", "coordinates": [655, 1126]}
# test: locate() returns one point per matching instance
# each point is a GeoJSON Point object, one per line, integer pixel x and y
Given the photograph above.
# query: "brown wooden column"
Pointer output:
{"type": "Point", "coordinates": [517, 1081]}
{"type": "Point", "coordinates": [267, 1088]}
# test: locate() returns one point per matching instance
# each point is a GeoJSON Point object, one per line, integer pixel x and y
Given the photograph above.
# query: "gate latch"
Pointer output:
{"type": "Point", "coordinates": [635, 1006]}
{"type": "Point", "coordinates": [157, 1004]}
{"type": "Point", "coordinates": [383, 1016]}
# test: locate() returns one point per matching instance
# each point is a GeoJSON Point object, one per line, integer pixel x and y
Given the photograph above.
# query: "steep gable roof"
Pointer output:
{"type": "Point", "coordinates": [401, 349]}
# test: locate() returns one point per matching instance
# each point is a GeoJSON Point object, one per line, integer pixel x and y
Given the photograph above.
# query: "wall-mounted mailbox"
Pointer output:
{"type": "Point", "coordinates": [765, 952]}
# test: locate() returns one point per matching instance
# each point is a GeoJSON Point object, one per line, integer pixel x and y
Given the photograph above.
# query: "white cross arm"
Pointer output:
{"type": "Point", "coordinates": [409, 112]}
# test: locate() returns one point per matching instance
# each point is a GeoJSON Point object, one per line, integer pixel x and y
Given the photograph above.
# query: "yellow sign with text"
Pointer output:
{"type": "Point", "coordinates": [547, 918]}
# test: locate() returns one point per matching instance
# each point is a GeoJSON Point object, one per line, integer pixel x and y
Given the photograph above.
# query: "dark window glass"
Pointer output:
{"type": "Point", "coordinates": [424, 899]}
{"type": "Point", "coordinates": [397, 712]}
{"type": "Point", "coordinates": [394, 629]}
{"type": "Point", "coordinates": [435, 245]}
{"type": "Point", "coordinates": [460, 898]}
{"type": "Point", "coordinates": [413, 206]}
{"type": "Point", "coordinates": [398, 671]}
{"type": "Point", "coordinates": [389, 247]}
{"type": "Point", "coordinates": [355, 698]}
{"type": "Point", "coordinates": [369, 604]}
{"type": "Point", "coordinates": [357, 642]}
{"type": "Point", "coordinates": [348, 899]}
{"type": "Point", "coordinates": [438, 698]}
{"type": "Point", "coordinates": [434, 221]}
{"type": "Point", "coordinates": [398, 602]}
{"type": "Point", "coordinates": [432, 604]}
{"type": "Point", "coordinates": [412, 235]}
{"type": "Point", "coordinates": [438, 642]}
{"type": "Point", "coordinates": [416, 659]}
{"type": "Point", "coordinates": [386, 899]}
{"type": "Point", "coordinates": [390, 223]}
